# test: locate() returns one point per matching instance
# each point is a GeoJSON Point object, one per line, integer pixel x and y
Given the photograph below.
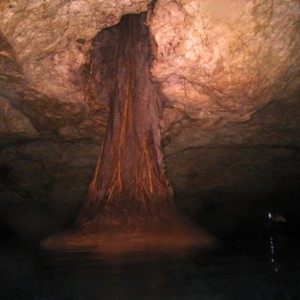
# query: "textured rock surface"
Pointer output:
{"type": "Point", "coordinates": [47, 171]}
{"type": "Point", "coordinates": [51, 39]}
{"type": "Point", "coordinates": [229, 71]}
{"type": "Point", "coordinates": [225, 59]}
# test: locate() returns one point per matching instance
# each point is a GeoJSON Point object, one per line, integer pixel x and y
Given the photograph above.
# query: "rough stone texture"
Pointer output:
{"type": "Point", "coordinates": [39, 115]}
{"type": "Point", "coordinates": [51, 39]}
{"type": "Point", "coordinates": [44, 56]}
{"type": "Point", "coordinates": [42, 185]}
{"type": "Point", "coordinates": [225, 59]}
{"type": "Point", "coordinates": [47, 171]}
{"type": "Point", "coordinates": [229, 71]}
{"type": "Point", "coordinates": [255, 160]}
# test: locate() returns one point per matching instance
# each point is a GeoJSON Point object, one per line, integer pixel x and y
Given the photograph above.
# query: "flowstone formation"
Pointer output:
{"type": "Point", "coordinates": [130, 202]}
{"type": "Point", "coordinates": [230, 128]}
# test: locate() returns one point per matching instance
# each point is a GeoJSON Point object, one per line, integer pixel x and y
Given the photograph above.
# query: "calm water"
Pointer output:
{"type": "Point", "coordinates": [266, 268]}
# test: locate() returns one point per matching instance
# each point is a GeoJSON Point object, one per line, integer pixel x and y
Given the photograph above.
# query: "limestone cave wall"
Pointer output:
{"type": "Point", "coordinates": [229, 73]}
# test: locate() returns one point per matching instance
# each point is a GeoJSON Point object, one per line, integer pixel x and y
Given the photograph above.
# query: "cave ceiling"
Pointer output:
{"type": "Point", "coordinates": [228, 71]}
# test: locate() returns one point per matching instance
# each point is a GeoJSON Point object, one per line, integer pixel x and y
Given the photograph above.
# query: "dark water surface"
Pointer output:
{"type": "Point", "coordinates": [265, 268]}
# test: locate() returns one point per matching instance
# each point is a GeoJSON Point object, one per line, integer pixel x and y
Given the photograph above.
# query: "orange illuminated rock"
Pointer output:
{"type": "Point", "coordinates": [130, 202]}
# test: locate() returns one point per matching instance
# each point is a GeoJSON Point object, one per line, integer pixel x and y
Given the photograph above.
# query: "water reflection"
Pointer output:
{"type": "Point", "coordinates": [278, 233]}
{"type": "Point", "coordinates": [263, 269]}
{"type": "Point", "coordinates": [278, 243]}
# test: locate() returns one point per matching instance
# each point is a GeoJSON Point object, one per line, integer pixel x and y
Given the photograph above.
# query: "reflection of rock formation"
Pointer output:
{"type": "Point", "coordinates": [229, 72]}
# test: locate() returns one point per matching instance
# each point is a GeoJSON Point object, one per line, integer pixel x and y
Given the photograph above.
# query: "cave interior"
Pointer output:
{"type": "Point", "coordinates": [229, 111]}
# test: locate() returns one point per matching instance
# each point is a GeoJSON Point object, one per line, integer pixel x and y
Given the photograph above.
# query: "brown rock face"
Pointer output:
{"type": "Point", "coordinates": [227, 58]}
{"type": "Point", "coordinates": [51, 40]}
{"type": "Point", "coordinates": [130, 202]}
{"type": "Point", "coordinates": [130, 181]}
{"type": "Point", "coordinates": [229, 74]}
